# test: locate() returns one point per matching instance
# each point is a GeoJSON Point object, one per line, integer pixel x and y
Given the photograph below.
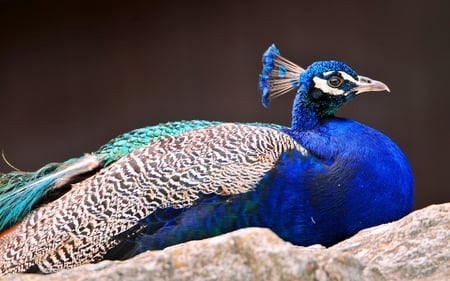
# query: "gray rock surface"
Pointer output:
{"type": "Point", "coordinates": [414, 248]}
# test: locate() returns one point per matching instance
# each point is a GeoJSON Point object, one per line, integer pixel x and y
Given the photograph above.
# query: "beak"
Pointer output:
{"type": "Point", "coordinates": [365, 84]}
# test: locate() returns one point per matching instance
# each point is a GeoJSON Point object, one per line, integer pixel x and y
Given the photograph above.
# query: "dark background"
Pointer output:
{"type": "Point", "coordinates": [77, 73]}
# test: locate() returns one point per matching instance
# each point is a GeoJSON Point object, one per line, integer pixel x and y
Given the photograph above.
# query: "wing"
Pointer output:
{"type": "Point", "coordinates": [20, 192]}
{"type": "Point", "coordinates": [130, 141]}
{"type": "Point", "coordinates": [173, 172]}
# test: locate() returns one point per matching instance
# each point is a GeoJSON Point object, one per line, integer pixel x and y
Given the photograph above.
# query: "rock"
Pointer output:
{"type": "Point", "coordinates": [247, 254]}
{"type": "Point", "coordinates": [414, 248]}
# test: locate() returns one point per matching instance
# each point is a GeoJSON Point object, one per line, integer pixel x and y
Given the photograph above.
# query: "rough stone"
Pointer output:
{"type": "Point", "coordinates": [414, 248]}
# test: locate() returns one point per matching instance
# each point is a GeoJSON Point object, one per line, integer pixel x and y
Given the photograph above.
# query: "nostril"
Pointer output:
{"type": "Point", "coordinates": [365, 80]}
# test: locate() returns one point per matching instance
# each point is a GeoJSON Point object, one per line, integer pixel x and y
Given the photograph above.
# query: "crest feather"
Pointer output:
{"type": "Point", "coordinates": [278, 76]}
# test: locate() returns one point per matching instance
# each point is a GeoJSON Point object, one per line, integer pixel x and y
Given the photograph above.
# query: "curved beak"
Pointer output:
{"type": "Point", "coordinates": [365, 84]}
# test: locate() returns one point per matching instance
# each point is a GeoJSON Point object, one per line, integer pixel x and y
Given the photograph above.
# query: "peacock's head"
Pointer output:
{"type": "Point", "coordinates": [324, 85]}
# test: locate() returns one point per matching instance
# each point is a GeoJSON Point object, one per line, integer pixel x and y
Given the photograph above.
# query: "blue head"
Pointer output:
{"type": "Point", "coordinates": [322, 88]}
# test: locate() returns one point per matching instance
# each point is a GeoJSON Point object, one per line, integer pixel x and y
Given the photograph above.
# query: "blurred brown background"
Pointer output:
{"type": "Point", "coordinates": [74, 74]}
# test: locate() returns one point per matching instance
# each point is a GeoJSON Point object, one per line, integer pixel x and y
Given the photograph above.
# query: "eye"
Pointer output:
{"type": "Point", "coordinates": [335, 81]}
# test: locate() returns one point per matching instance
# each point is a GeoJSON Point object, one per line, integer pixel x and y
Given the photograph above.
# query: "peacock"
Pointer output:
{"type": "Point", "coordinates": [319, 181]}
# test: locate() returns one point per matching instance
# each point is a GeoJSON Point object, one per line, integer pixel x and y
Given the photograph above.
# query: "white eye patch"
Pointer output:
{"type": "Point", "coordinates": [322, 84]}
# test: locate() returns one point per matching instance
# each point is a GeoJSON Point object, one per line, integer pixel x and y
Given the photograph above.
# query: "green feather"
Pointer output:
{"type": "Point", "coordinates": [128, 142]}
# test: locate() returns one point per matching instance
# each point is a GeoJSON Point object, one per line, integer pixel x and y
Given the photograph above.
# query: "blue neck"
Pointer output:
{"type": "Point", "coordinates": [304, 117]}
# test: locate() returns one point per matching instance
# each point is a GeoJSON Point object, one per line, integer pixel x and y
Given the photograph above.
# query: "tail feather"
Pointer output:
{"type": "Point", "coordinates": [21, 191]}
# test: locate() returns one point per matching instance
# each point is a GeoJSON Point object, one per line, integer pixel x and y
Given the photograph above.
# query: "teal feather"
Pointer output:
{"type": "Point", "coordinates": [128, 142]}
{"type": "Point", "coordinates": [21, 191]}
{"type": "Point", "coordinates": [16, 199]}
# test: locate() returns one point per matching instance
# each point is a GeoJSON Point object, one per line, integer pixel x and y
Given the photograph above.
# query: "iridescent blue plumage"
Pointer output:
{"type": "Point", "coordinates": [318, 181]}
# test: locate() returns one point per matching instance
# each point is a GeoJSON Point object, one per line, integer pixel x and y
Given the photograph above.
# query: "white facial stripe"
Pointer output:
{"type": "Point", "coordinates": [322, 84]}
{"type": "Point", "coordinates": [348, 77]}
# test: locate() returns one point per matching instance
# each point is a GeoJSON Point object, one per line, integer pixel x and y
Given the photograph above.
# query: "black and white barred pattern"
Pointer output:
{"type": "Point", "coordinates": [78, 227]}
